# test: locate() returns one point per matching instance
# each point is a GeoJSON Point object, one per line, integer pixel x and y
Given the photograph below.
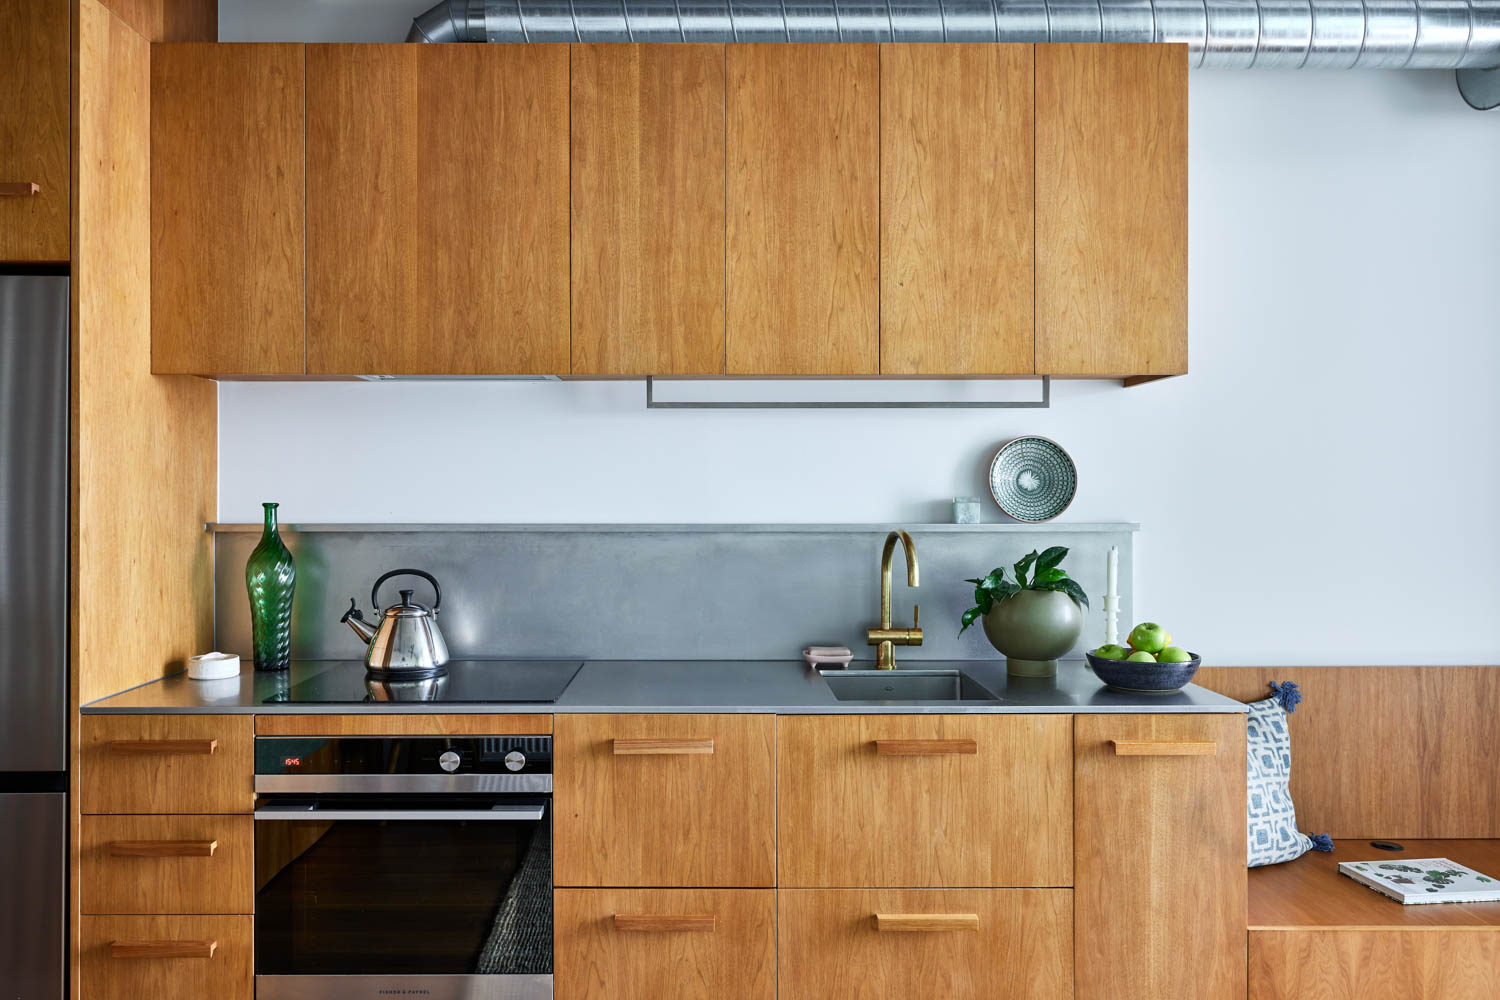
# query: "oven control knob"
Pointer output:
{"type": "Point", "coordinates": [448, 761]}
{"type": "Point", "coordinates": [515, 760]}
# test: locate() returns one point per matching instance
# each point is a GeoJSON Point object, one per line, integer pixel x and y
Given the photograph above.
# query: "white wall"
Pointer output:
{"type": "Point", "coordinates": [1320, 490]}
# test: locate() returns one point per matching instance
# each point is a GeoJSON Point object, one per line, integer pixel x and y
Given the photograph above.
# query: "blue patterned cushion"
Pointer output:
{"type": "Point", "coordinates": [1272, 821]}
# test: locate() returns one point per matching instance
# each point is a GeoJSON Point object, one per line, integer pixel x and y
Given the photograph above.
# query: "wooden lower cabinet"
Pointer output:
{"type": "Point", "coordinates": [167, 763]}
{"type": "Point", "coordinates": [901, 944]}
{"type": "Point", "coordinates": [167, 864]}
{"type": "Point", "coordinates": [1441, 963]}
{"type": "Point", "coordinates": [665, 944]}
{"type": "Point", "coordinates": [166, 958]}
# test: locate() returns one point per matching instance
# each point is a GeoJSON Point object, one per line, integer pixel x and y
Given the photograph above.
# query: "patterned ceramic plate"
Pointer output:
{"type": "Point", "coordinates": [1033, 479]}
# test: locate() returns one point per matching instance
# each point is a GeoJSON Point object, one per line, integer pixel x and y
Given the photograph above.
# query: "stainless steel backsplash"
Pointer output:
{"type": "Point", "coordinates": [743, 592]}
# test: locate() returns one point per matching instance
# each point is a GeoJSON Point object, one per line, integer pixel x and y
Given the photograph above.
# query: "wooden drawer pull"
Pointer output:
{"type": "Point", "coordinates": [694, 922]}
{"type": "Point", "coordinates": [163, 848]}
{"type": "Point", "coordinates": [911, 748]}
{"type": "Point", "coordinates": [21, 189]}
{"type": "Point", "coordinates": [176, 748]}
{"type": "Point", "coordinates": [671, 745]}
{"type": "Point", "coordinates": [163, 949]}
{"type": "Point", "coordinates": [923, 922]}
{"type": "Point", "coordinates": [1165, 748]}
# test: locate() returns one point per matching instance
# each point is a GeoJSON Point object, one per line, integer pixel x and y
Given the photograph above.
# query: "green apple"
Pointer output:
{"type": "Point", "coordinates": [1111, 651]}
{"type": "Point", "coordinates": [1174, 654]}
{"type": "Point", "coordinates": [1140, 656]}
{"type": "Point", "coordinates": [1149, 637]}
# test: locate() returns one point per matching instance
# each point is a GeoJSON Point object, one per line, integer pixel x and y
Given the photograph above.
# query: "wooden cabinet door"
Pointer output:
{"type": "Point", "coordinates": [1111, 209]}
{"type": "Point", "coordinates": [956, 210]}
{"type": "Point", "coordinates": [899, 944]}
{"type": "Point", "coordinates": [682, 944]}
{"type": "Point", "coordinates": [1160, 896]}
{"type": "Point", "coordinates": [437, 209]}
{"type": "Point", "coordinates": [167, 763]}
{"type": "Point", "coordinates": [925, 800]}
{"type": "Point", "coordinates": [664, 800]}
{"type": "Point", "coordinates": [166, 958]}
{"type": "Point", "coordinates": [34, 131]}
{"type": "Point", "coordinates": [167, 864]}
{"type": "Point", "coordinates": [803, 201]}
{"type": "Point", "coordinates": [648, 209]}
{"type": "Point", "coordinates": [226, 209]}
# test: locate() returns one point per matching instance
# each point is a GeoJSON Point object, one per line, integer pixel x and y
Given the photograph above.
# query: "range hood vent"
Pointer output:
{"type": "Point", "coordinates": [1231, 34]}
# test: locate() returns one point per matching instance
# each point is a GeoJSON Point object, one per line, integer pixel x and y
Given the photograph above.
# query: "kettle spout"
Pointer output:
{"type": "Point", "coordinates": [355, 619]}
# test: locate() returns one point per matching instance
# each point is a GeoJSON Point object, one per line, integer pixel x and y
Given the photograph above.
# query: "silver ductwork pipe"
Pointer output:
{"type": "Point", "coordinates": [1269, 34]}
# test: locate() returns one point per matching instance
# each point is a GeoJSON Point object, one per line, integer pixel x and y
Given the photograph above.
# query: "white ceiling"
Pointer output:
{"type": "Point", "coordinates": [317, 20]}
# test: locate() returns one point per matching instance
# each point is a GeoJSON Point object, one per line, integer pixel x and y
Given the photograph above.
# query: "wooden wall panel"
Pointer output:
{"type": "Point", "coordinates": [34, 128]}
{"type": "Point", "coordinates": [1387, 751]}
{"type": "Point", "coordinates": [1374, 965]}
{"type": "Point", "coordinates": [170, 20]}
{"type": "Point", "coordinates": [956, 210]}
{"type": "Point", "coordinates": [803, 200]}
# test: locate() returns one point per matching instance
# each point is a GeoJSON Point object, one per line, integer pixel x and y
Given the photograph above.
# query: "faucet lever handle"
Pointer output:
{"type": "Point", "coordinates": [916, 616]}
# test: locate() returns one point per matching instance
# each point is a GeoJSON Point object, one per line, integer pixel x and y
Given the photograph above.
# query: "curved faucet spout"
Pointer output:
{"type": "Point", "coordinates": [885, 638]}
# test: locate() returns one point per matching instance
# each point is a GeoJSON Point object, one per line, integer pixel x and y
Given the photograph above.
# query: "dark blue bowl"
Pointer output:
{"type": "Point", "coordinates": [1145, 678]}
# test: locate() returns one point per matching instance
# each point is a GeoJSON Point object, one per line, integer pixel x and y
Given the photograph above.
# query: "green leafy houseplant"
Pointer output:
{"type": "Point", "coordinates": [1045, 575]}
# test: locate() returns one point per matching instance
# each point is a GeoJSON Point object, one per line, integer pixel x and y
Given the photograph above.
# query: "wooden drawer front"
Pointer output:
{"type": "Point", "coordinates": [876, 944]}
{"type": "Point", "coordinates": [664, 800]}
{"type": "Point", "coordinates": [1323, 964]}
{"type": "Point", "coordinates": [119, 960]}
{"type": "Point", "coordinates": [686, 944]}
{"type": "Point", "coordinates": [34, 130]}
{"type": "Point", "coordinates": [168, 763]}
{"type": "Point", "coordinates": [167, 864]}
{"type": "Point", "coordinates": [1160, 905]}
{"type": "Point", "coordinates": [937, 800]}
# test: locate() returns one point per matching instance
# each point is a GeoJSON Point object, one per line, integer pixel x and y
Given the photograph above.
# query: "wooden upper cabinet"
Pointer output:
{"type": "Point", "coordinates": [437, 209]}
{"type": "Point", "coordinates": [1111, 209]}
{"type": "Point", "coordinates": [226, 209]}
{"type": "Point", "coordinates": [956, 209]}
{"type": "Point", "coordinates": [803, 202]}
{"type": "Point", "coordinates": [1159, 903]}
{"type": "Point", "coordinates": [34, 131]}
{"type": "Point", "coordinates": [648, 209]}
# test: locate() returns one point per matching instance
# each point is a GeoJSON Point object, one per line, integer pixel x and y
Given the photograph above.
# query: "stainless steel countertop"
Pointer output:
{"type": "Point", "coordinates": [765, 686]}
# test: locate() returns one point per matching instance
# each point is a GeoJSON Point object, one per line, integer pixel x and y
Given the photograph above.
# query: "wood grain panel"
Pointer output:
{"type": "Point", "coordinates": [829, 945]}
{"type": "Point", "coordinates": [220, 882]}
{"type": "Point", "coordinates": [1374, 965]}
{"type": "Point", "coordinates": [598, 960]}
{"type": "Point", "coordinates": [648, 209]}
{"type": "Point", "coordinates": [956, 209]}
{"type": "Point", "coordinates": [1310, 893]}
{"type": "Point", "coordinates": [35, 129]}
{"type": "Point", "coordinates": [803, 199]}
{"type": "Point", "coordinates": [228, 975]}
{"type": "Point", "coordinates": [170, 20]}
{"type": "Point", "coordinates": [405, 724]}
{"type": "Point", "coordinates": [1387, 751]}
{"type": "Point", "coordinates": [850, 816]}
{"type": "Point", "coordinates": [227, 199]}
{"type": "Point", "coordinates": [1159, 901]}
{"type": "Point", "coordinates": [1111, 209]}
{"type": "Point", "coordinates": [672, 820]}
{"type": "Point", "coordinates": [222, 782]}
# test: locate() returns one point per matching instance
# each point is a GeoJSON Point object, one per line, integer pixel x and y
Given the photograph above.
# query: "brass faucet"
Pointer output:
{"type": "Point", "coordinates": [885, 637]}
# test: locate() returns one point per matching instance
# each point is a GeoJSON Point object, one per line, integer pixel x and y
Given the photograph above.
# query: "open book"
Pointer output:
{"type": "Point", "coordinates": [1423, 880]}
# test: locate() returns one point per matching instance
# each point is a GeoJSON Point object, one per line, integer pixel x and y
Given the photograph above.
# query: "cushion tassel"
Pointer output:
{"type": "Point", "coordinates": [1287, 693]}
{"type": "Point", "coordinates": [1320, 841]}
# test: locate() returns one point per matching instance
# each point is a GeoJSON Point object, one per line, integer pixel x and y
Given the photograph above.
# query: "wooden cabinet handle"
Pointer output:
{"type": "Point", "coordinates": [163, 949]}
{"type": "Point", "coordinates": [1165, 748]}
{"type": "Point", "coordinates": [916, 748]}
{"type": "Point", "coordinates": [923, 922]}
{"type": "Point", "coordinates": [693, 922]}
{"type": "Point", "coordinates": [20, 189]}
{"type": "Point", "coordinates": [177, 748]}
{"type": "Point", "coordinates": [163, 848]}
{"type": "Point", "coordinates": [669, 745]}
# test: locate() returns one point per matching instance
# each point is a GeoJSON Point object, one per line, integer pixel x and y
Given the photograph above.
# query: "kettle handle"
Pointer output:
{"type": "Point", "coordinates": [437, 591]}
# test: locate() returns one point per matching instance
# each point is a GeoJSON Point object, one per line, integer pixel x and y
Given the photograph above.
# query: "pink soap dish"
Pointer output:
{"type": "Point", "coordinates": [827, 656]}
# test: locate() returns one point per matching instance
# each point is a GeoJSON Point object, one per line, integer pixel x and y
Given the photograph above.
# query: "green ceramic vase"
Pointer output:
{"type": "Point", "coordinates": [270, 579]}
{"type": "Point", "coordinates": [1033, 628]}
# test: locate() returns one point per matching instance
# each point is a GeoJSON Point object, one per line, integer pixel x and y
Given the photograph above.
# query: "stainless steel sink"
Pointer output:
{"type": "Point", "coordinates": [905, 685]}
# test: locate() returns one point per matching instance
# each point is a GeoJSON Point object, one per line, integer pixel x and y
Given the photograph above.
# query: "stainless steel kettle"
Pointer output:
{"type": "Point", "coordinates": [407, 641]}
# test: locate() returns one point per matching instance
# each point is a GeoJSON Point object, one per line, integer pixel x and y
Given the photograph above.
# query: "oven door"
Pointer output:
{"type": "Point", "coordinates": [439, 897]}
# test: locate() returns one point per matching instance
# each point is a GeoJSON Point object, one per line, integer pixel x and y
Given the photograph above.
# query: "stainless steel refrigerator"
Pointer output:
{"type": "Point", "coordinates": [33, 635]}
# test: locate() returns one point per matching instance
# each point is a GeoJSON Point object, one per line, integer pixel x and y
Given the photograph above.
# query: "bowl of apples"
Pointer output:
{"type": "Point", "coordinates": [1150, 664]}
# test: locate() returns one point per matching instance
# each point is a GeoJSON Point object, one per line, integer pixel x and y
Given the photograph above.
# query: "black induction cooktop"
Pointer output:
{"type": "Point", "coordinates": [464, 682]}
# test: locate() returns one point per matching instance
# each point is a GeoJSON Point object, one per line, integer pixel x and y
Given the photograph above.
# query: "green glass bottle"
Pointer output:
{"type": "Point", "coordinates": [270, 578]}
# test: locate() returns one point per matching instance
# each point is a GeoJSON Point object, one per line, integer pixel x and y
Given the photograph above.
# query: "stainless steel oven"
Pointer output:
{"type": "Point", "coordinates": [403, 867]}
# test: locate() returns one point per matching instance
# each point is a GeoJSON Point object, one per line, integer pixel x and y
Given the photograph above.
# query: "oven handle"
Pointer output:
{"type": "Point", "coordinates": [304, 813]}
